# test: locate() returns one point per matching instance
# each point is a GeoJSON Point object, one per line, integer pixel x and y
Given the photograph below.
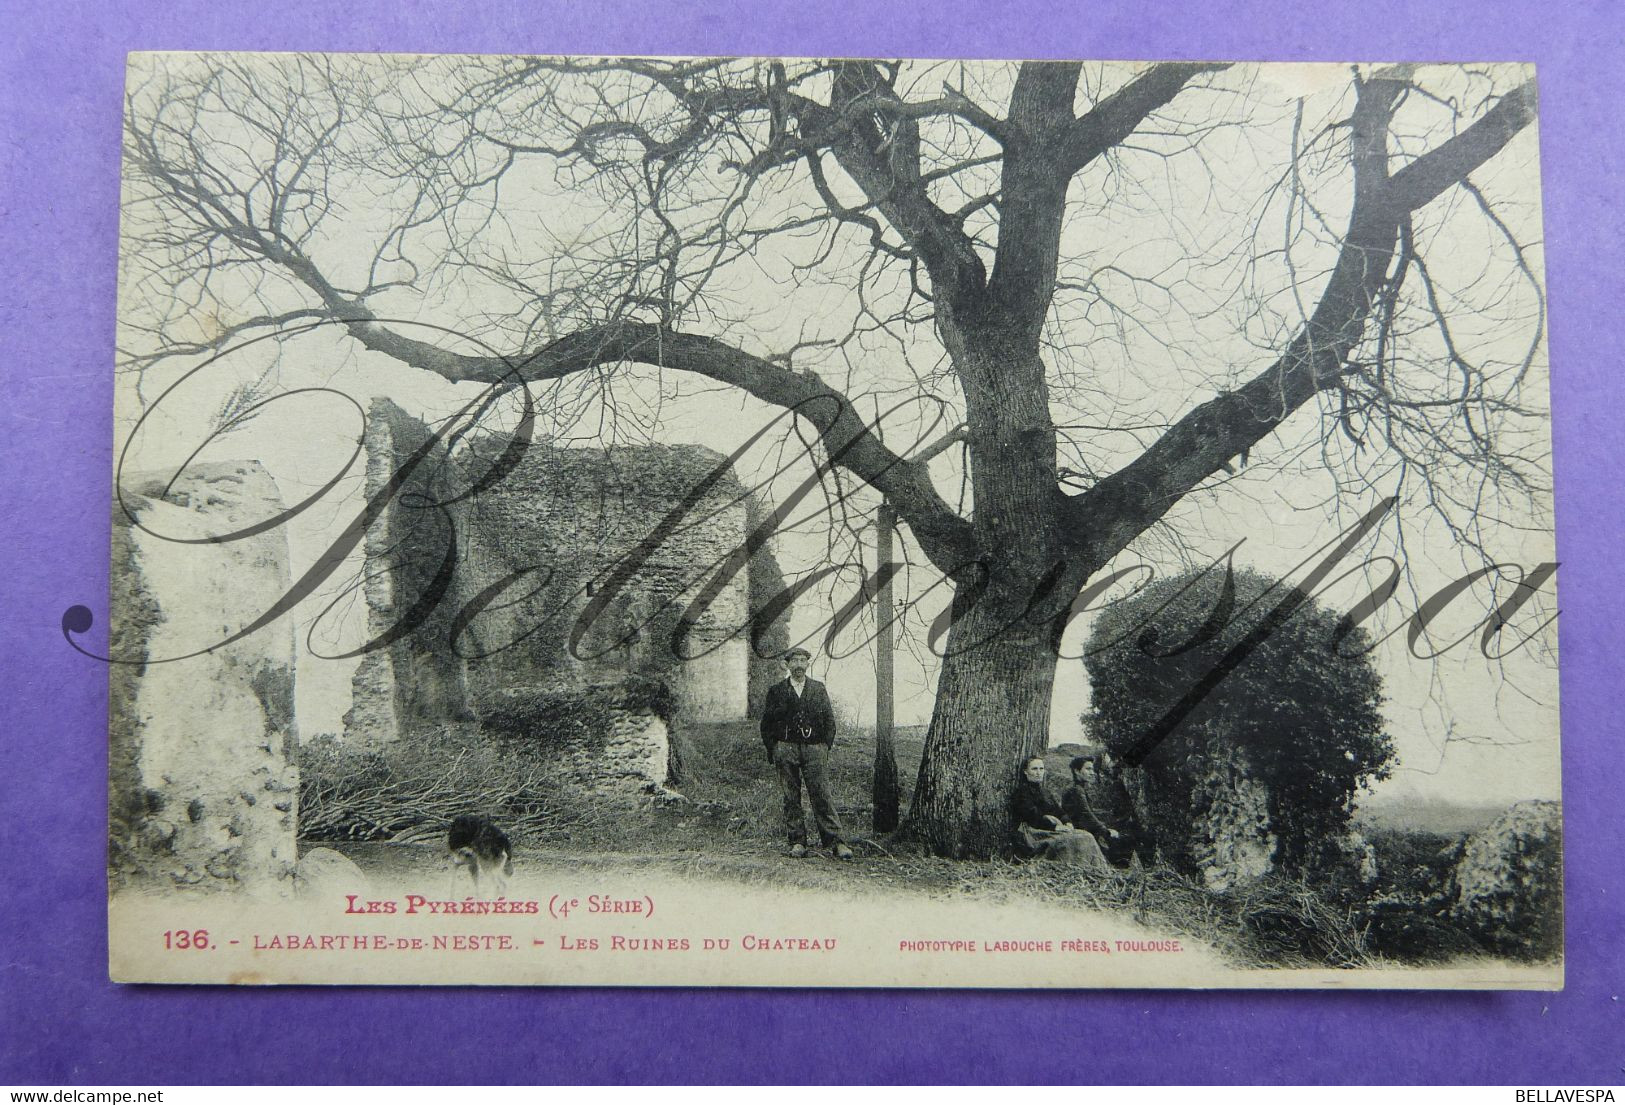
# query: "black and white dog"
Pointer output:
{"type": "Point", "coordinates": [477, 844]}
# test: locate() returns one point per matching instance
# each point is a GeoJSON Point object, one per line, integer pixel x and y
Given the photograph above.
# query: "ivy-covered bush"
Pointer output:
{"type": "Point", "coordinates": [1303, 709]}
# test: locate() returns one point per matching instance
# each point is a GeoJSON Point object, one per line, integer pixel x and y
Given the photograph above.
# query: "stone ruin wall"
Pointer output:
{"type": "Point", "coordinates": [1507, 887]}
{"type": "Point", "coordinates": [631, 759]}
{"type": "Point", "coordinates": [203, 781]}
{"type": "Point", "coordinates": [417, 680]}
{"type": "Point", "coordinates": [566, 514]}
{"type": "Point", "coordinates": [1230, 839]}
{"type": "Point", "coordinates": [1224, 830]}
{"type": "Point", "coordinates": [1221, 828]}
{"type": "Point", "coordinates": [573, 514]}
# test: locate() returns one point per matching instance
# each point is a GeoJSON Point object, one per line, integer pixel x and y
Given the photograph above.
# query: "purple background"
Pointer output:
{"type": "Point", "coordinates": [64, 1023]}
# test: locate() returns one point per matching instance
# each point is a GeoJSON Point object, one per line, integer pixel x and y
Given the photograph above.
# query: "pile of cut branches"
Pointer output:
{"type": "Point", "coordinates": [413, 792]}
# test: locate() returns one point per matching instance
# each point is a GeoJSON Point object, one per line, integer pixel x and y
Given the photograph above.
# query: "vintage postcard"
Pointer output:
{"type": "Point", "coordinates": [796, 522]}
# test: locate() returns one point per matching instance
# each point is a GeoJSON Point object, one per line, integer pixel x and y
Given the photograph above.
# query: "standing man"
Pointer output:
{"type": "Point", "coordinates": [798, 729]}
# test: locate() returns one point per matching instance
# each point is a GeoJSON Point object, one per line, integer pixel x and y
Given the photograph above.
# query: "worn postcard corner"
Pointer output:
{"type": "Point", "coordinates": [795, 522]}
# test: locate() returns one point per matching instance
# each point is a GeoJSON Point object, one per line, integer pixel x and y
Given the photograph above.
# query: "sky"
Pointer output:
{"type": "Point", "coordinates": [1191, 266]}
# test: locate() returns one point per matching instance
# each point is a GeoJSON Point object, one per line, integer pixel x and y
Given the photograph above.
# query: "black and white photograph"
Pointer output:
{"type": "Point", "coordinates": [830, 522]}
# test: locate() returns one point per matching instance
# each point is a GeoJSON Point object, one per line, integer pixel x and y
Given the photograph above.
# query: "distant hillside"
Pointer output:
{"type": "Point", "coordinates": [1427, 815]}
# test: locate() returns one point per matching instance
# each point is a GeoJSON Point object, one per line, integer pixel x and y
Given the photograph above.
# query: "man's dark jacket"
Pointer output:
{"type": "Point", "coordinates": [805, 719]}
{"type": "Point", "coordinates": [1105, 804]}
{"type": "Point", "coordinates": [1078, 806]}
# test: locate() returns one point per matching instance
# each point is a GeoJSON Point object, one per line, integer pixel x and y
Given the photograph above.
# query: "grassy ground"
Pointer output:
{"type": "Point", "coordinates": [729, 778]}
{"type": "Point", "coordinates": [726, 826]}
{"type": "Point", "coordinates": [733, 796]}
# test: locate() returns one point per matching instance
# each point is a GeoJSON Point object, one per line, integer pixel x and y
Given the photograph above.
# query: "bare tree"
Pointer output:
{"type": "Point", "coordinates": [949, 231]}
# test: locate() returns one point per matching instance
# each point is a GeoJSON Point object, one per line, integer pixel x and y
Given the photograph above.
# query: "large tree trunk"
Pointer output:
{"type": "Point", "coordinates": [993, 695]}
{"type": "Point", "coordinates": [992, 711]}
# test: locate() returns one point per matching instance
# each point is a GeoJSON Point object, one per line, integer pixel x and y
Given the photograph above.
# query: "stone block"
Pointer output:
{"type": "Point", "coordinates": [1507, 887]}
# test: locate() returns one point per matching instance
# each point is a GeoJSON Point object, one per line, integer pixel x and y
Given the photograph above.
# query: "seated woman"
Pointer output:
{"type": "Point", "coordinates": [1041, 831]}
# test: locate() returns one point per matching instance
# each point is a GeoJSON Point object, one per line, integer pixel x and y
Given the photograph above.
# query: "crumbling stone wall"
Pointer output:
{"type": "Point", "coordinates": [766, 584]}
{"type": "Point", "coordinates": [416, 680]}
{"type": "Point", "coordinates": [608, 740]}
{"type": "Point", "coordinates": [203, 779]}
{"type": "Point", "coordinates": [568, 517]}
{"type": "Point", "coordinates": [1212, 818]}
{"type": "Point", "coordinates": [633, 759]}
{"type": "Point", "coordinates": [533, 549]}
{"type": "Point", "coordinates": [1507, 887]}
{"type": "Point", "coordinates": [1230, 838]}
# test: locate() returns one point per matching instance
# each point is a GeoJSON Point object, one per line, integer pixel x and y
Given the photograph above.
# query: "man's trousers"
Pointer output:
{"type": "Point", "coordinates": [807, 765]}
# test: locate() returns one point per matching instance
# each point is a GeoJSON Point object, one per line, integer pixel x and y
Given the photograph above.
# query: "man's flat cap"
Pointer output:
{"type": "Point", "coordinates": [794, 652]}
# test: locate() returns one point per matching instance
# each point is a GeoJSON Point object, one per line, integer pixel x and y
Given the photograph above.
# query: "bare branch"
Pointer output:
{"type": "Point", "coordinates": [1112, 513]}
{"type": "Point", "coordinates": [1123, 112]}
